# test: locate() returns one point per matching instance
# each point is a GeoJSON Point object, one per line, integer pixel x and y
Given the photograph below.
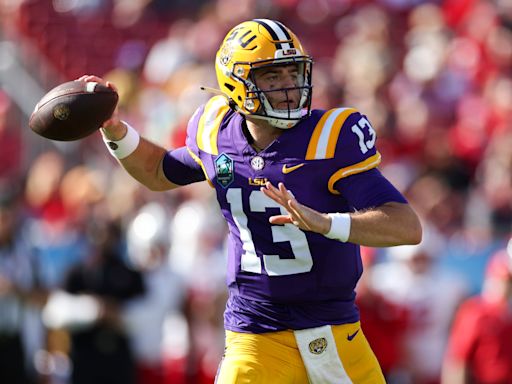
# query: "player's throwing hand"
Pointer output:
{"type": "Point", "coordinates": [112, 128]}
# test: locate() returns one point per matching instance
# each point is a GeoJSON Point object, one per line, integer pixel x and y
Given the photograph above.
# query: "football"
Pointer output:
{"type": "Point", "coordinates": [73, 110]}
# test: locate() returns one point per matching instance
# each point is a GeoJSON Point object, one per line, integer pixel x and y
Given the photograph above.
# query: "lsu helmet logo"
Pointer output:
{"type": "Point", "coordinates": [317, 346]}
{"type": "Point", "coordinates": [226, 54]}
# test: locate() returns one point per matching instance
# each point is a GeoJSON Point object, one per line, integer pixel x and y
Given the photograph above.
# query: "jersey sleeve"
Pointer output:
{"type": "Point", "coordinates": [180, 167]}
{"type": "Point", "coordinates": [203, 130]}
{"type": "Point", "coordinates": [203, 127]}
{"type": "Point", "coordinates": [368, 189]}
{"type": "Point", "coordinates": [192, 130]}
{"type": "Point", "coordinates": [346, 138]}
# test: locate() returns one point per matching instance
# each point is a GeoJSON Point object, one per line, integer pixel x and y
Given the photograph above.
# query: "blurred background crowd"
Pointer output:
{"type": "Point", "coordinates": [103, 281]}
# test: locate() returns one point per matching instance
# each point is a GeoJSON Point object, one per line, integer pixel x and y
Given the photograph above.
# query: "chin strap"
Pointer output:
{"type": "Point", "coordinates": [276, 122]}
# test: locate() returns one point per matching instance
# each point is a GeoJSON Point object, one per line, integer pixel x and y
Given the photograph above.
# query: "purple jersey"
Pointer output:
{"type": "Point", "coordinates": [280, 277]}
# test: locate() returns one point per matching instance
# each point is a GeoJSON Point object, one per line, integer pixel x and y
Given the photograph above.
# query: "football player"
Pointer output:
{"type": "Point", "coordinates": [300, 192]}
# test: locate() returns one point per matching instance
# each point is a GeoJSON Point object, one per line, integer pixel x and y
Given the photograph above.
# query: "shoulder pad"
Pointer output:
{"type": "Point", "coordinates": [209, 123]}
{"type": "Point", "coordinates": [322, 144]}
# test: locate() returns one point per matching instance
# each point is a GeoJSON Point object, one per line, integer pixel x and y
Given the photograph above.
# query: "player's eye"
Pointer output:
{"type": "Point", "coordinates": [270, 81]}
{"type": "Point", "coordinates": [299, 79]}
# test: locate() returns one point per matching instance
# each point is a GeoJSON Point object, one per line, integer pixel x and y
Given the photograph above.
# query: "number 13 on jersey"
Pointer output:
{"type": "Point", "coordinates": [274, 265]}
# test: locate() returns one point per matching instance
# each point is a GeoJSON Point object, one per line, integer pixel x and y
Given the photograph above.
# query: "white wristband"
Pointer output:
{"type": "Point", "coordinates": [340, 226]}
{"type": "Point", "coordinates": [124, 147]}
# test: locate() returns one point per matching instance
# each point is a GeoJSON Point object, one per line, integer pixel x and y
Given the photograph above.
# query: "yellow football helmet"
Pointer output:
{"type": "Point", "coordinates": [257, 44]}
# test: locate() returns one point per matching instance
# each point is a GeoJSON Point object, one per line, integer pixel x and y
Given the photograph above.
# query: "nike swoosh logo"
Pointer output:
{"type": "Point", "coordinates": [350, 337]}
{"type": "Point", "coordinates": [287, 169]}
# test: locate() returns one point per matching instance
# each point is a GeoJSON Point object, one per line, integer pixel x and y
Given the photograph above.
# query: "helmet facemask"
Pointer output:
{"type": "Point", "coordinates": [258, 99]}
{"type": "Point", "coordinates": [258, 44]}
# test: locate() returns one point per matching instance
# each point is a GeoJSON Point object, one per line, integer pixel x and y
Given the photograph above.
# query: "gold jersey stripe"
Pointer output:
{"type": "Point", "coordinates": [369, 163]}
{"type": "Point", "coordinates": [335, 132]}
{"type": "Point", "coordinates": [310, 154]}
{"type": "Point", "coordinates": [198, 161]}
{"type": "Point", "coordinates": [325, 135]}
{"type": "Point", "coordinates": [209, 124]}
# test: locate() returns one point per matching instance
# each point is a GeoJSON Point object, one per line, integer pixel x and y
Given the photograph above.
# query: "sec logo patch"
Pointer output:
{"type": "Point", "coordinates": [257, 163]}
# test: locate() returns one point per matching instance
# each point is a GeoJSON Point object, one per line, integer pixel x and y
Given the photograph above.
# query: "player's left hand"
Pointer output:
{"type": "Point", "coordinates": [300, 215]}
